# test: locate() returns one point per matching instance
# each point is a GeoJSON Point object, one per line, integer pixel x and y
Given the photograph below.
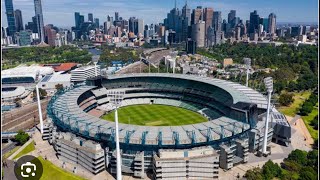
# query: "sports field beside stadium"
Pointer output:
{"type": "Point", "coordinates": [156, 115]}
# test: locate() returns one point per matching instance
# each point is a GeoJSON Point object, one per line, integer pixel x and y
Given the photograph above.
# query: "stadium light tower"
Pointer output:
{"type": "Point", "coordinates": [116, 97]}
{"type": "Point", "coordinates": [247, 61]}
{"type": "Point", "coordinates": [269, 85]}
{"type": "Point", "coordinates": [95, 68]}
{"type": "Point", "coordinates": [39, 108]}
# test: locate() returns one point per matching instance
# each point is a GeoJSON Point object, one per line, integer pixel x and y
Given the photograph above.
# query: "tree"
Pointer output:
{"type": "Point", "coordinates": [315, 123]}
{"type": "Point", "coordinates": [42, 93]}
{"type": "Point", "coordinates": [286, 99]}
{"type": "Point", "coordinates": [21, 137]}
{"type": "Point", "coordinates": [307, 175]}
{"type": "Point", "coordinates": [291, 165]}
{"type": "Point", "coordinates": [271, 170]}
{"type": "Point", "coordinates": [254, 174]}
{"type": "Point", "coordinates": [306, 108]}
{"type": "Point", "coordinates": [298, 156]}
{"type": "Point", "coordinates": [59, 87]}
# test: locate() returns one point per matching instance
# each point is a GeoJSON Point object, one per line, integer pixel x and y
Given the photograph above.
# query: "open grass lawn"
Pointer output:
{"type": "Point", "coordinates": [293, 109]}
{"type": "Point", "coordinates": [50, 171]}
{"type": "Point", "coordinates": [26, 150]}
{"type": "Point", "coordinates": [156, 115]}
{"type": "Point", "coordinates": [307, 120]}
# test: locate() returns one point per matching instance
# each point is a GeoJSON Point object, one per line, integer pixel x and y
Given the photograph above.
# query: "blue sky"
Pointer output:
{"type": "Point", "coordinates": [61, 12]}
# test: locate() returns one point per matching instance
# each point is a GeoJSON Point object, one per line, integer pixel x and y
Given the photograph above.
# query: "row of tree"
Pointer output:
{"type": "Point", "coordinates": [111, 53]}
{"type": "Point", "coordinates": [296, 68]}
{"type": "Point", "coordinates": [308, 105]}
{"type": "Point", "coordinates": [299, 165]}
{"type": "Point", "coordinates": [15, 56]}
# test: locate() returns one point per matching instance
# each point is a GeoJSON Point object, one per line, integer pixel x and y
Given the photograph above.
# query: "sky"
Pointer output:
{"type": "Point", "coordinates": [61, 12]}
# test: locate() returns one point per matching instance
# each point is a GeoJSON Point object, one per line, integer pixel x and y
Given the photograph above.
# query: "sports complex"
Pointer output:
{"type": "Point", "coordinates": [194, 124]}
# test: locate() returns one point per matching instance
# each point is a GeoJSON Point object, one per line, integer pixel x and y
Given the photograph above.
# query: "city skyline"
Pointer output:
{"type": "Point", "coordinates": [62, 14]}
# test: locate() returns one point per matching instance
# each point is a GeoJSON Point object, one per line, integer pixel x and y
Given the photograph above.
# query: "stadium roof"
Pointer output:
{"type": "Point", "coordinates": [61, 66]}
{"type": "Point", "coordinates": [32, 71]}
{"type": "Point", "coordinates": [239, 92]}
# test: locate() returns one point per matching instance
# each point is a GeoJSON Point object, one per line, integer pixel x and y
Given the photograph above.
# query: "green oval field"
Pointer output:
{"type": "Point", "coordinates": [156, 115]}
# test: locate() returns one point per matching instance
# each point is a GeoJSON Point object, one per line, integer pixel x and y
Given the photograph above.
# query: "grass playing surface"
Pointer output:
{"type": "Point", "coordinates": [156, 115]}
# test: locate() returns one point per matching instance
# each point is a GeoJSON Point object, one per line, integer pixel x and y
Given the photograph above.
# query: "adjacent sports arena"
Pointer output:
{"type": "Point", "coordinates": [234, 126]}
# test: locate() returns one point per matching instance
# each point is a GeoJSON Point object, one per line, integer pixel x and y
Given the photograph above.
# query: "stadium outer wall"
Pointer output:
{"type": "Point", "coordinates": [232, 149]}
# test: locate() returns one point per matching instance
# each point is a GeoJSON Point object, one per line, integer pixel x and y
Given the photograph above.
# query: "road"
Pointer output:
{"type": "Point", "coordinates": [9, 147]}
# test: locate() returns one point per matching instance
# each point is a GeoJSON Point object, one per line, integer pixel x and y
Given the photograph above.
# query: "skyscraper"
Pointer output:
{"type": "Point", "coordinates": [198, 33]}
{"type": "Point", "coordinates": [196, 15]}
{"type": "Point", "coordinates": [140, 26]}
{"type": "Point", "coordinates": [232, 18]}
{"type": "Point", "coordinates": [186, 21]}
{"type": "Point", "coordinates": [272, 23]}
{"type": "Point", "coordinates": [18, 18]}
{"type": "Point", "coordinates": [77, 19]}
{"type": "Point", "coordinates": [39, 16]}
{"type": "Point", "coordinates": [96, 22]}
{"type": "Point", "coordinates": [132, 24]}
{"type": "Point", "coordinates": [90, 17]}
{"type": "Point", "coordinates": [254, 22]}
{"type": "Point", "coordinates": [10, 17]}
{"type": "Point", "coordinates": [217, 23]}
{"type": "Point", "coordinates": [207, 17]}
{"type": "Point", "coordinates": [265, 23]}
{"type": "Point", "coordinates": [174, 22]}
{"type": "Point", "coordinates": [116, 16]}
{"type": "Point", "coordinates": [186, 13]}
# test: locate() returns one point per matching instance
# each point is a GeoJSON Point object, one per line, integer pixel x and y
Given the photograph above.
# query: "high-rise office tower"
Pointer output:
{"type": "Point", "coordinates": [96, 22]}
{"type": "Point", "coordinates": [109, 18]}
{"type": "Point", "coordinates": [132, 24]}
{"type": "Point", "coordinates": [198, 33]}
{"type": "Point", "coordinates": [10, 17]}
{"type": "Point", "coordinates": [231, 18]}
{"type": "Point", "coordinates": [116, 16]}
{"type": "Point", "coordinates": [124, 24]}
{"type": "Point", "coordinates": [77, 19]}
{"type": "Point", "coordinates": [186, 13]}
{"type": "Point", "coordinates": [196, 15]}
{"type": "Point", "coordinates": [265, 23]}
{"type": "Point", "coordinates": [18, 19]}
{"type": "Point", "coordinates": [207, 17]}
{"type": "Point", "coordinates": [175, 22]}
{"type": "Point", "coordinates": [186, 21]}
{"type": "Point", "coordinates": [39, 16]}
{"type": "Point", "coordinates": [81, 20]}
{"type": "Point", "coordinates": [272, 23]}
{"type": "Point", "coordinates": [254, 22]}
{"type": "Point", "coordinates": [90, 17]}
{"type": "Point", "coordinates": [217, 23]}
{"type": "Point", "coordinates": [50, 35]}
{"type": "Point", "coordinates": [140, 27]}
{"type": "Point", "coordinates": [35, 25]}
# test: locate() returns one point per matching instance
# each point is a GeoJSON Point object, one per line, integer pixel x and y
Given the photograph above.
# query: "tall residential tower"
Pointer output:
{"type": "Point", "coordinates": [39, 16]}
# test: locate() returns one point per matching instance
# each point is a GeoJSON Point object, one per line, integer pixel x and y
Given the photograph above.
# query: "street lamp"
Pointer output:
{"type": "Point", "coordinates": [247, 61]}
{"type": "Point", "coordinates": [269, 85]}
{"type": "Point", "coordinates": [116, 97]}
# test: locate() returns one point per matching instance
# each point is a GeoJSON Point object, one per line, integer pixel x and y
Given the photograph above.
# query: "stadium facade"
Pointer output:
{"type": "Point", "coordinates": [236, 116]}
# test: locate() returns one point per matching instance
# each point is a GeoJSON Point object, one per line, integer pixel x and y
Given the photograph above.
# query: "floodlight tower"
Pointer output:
{"type": "Point", "coordinates": [247, 61]}
{"type": "Point", "coordinates": [115, 98]}
{"type": "Point", "coordinates": [269, 85]}
{"type": "Point", "coordinates": [39, 108]}
{"type": "Point", "coordinates": [95, 68]}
